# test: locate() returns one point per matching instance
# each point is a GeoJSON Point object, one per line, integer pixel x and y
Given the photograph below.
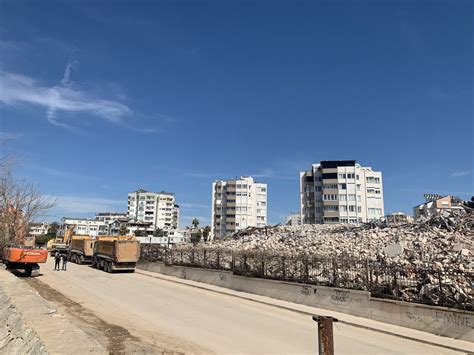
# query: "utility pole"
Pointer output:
{"type": "Point", "coordinates": [325, 334]}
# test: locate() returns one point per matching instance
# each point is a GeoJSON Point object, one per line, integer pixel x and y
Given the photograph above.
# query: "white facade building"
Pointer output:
{"type": "Point", "coordinates": [170, 239]}
{"type": "Point", "coordinates": [340, 191]}
{"type": "Point", "coordinates": [40, 228]}
{"type": "Point", "coordinates": [84, 226]}
{"type": "Point", "coordinates": [293, 219]}
{"type": "Point", "coordinates": [109, 217]}
{"type": "Point", "coordinates": [159, 208]}
{"type": "Point", "coordinates": [237, 204]}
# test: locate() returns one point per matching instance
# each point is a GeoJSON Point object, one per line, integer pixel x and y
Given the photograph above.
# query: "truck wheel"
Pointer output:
{"type": "Point", "coordinates": [28, 270]}
{"type": "Point", "coordinates": [80, 260]}
{"type": "Point", "coordinates": [108, 266]}
{"type": "Point", "coordinates": [94, 263]}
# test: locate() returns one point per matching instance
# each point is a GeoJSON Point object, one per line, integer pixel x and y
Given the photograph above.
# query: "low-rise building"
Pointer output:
{"type": "Point", "coordinates": [435, 204]}
{"type": "Point", "coordinates": [108, 217]}
{"type": "Point", "coordinates": [39, 228]}
{"type": "Point", "coordinates": [398, 218]}
{"type": "Point", "coordinates": [293, 219]}
{"type": "Point", "coordinates": [169, 239]}
{"type": "Point", "coordinates": [84, 226]}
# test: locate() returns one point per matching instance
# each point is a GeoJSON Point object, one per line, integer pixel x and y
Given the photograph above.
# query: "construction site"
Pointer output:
{"type": "Point", "coordinates": [240, 293]}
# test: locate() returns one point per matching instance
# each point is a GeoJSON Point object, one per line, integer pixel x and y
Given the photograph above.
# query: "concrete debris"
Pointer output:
{"type": "Point", "coordinates": [430, 261]}
{"type": "Point", "coordinates": [445, 243]}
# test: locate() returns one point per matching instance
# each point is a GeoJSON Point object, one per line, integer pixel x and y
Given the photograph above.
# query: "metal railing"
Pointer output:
{"type": "Point", "coordinates": [453, 288]}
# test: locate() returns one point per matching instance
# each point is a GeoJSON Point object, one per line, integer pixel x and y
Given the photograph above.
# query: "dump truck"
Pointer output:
{"type": "Point", "coordinates": [112, 253]}
{"type": "Point", "coordinates": [24, 258]}
{"type": "Point", "coordinates": [81, 249]}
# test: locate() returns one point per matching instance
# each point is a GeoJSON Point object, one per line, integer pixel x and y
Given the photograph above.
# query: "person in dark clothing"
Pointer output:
{"type": "Point", "coordinates": [57, 258]}
{"type": "Point", "coordinates": [64, 257]}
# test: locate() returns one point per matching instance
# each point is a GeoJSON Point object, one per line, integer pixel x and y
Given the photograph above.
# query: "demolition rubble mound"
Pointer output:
{"type": "Point", "coordinates": [443, 242]}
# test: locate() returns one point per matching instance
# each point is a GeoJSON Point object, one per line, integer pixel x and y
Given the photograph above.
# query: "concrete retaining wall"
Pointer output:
{"type": "Point", "coordinates": [436, 320]}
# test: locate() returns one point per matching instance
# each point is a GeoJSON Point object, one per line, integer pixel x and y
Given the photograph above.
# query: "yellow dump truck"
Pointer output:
{"type": "Point", "coordinates": [81, 249]}
{"type": "Point", "coordinates": [112, 253]}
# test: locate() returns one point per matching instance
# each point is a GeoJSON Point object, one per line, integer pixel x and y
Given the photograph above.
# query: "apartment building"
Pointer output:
{"type": "Point", "coordinates": [159, 208]}
{"type": "Point", "coordinates": [340, 191]}
{"type": "Point", "coordinates": [237, 204]}
{"type": "Point", "coordinates": [84, 226]}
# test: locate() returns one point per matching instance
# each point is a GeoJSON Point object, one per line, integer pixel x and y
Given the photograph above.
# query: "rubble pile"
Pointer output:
{"type": "Point", "coordinates": [430, 261]}
{"type": "Point", "coordinates": [443, 243]}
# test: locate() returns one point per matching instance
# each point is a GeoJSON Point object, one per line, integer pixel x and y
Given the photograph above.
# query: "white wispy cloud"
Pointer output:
{"type": "Point", "coordinates": [272, 174]}
{"type": "Point", "coordinates": [78, 204]}
{"type": "Point", "coordinates": [192, 205]}
{"type": "Point", "coordinates": [461, 173]}
{"type": "Point", "coordinates": [21, 89]}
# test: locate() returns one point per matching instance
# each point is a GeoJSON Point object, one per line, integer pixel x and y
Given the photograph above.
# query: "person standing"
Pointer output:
{"type": "Point", "coordinates": [64, 257]}
{"type": "Point", "coordinates": [57, 258]}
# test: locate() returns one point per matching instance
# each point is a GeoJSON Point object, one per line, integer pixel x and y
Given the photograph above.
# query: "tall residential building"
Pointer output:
{"type": "Point", "coordinates": [159, 208]}
{"type": "Point", "coordinates": [340, 191]}
{"type": "Point", "coordinates": [237, 204]}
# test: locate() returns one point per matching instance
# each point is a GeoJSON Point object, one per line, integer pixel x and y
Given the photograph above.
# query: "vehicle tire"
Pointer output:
{"type": "Point", "coordinates": [94, 263]}
{"type": "Point", "coordinates": [109, 267]}
{"type": "Point", "coordinates": [80, 259]}
{"type": "Point", "coordinates": [28, 270]}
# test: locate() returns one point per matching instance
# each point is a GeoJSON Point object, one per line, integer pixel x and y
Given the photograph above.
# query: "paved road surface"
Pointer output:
{"type": "Point", "coordinates": [192, 319]}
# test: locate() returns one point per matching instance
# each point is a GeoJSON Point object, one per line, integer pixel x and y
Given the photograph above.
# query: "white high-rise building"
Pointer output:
{"type": "Point", "coordinates": [237, 204]}
{"type": "Point", "coordinates": [340, 191]}
{"type": "Point", "coordinates": [159, 208]}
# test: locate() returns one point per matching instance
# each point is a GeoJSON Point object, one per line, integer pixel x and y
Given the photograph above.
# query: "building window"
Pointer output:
{"type": "Point", "coordinates": [342, 186]}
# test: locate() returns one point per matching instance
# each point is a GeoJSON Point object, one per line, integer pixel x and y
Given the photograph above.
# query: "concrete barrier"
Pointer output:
{"type": "Point", "coordinates": [443, 321]}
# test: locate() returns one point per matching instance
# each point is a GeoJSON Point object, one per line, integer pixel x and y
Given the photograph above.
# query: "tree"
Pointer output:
{"type": "Point", "coordinates": [196, 237]}
{"type": "Point", "coordinates": [20, 203]}
{"type": "Point", "coordinates": [206, 232]}
{"type": "Point", "coordinates": [159, 232]}
{"type": "Point", "coordinates": [123, 230]}
{"type": "Point", "coordinates": [53, 230]}
{"type": "Point", "coordinates": [195, 222]}
{"type": "Point", "coordinates": [43, 239]}
{"type": "Point", "coordinates": [140, 233]}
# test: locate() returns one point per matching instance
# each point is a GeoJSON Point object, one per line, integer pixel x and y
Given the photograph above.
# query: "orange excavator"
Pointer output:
{"type": "Point", "coordinates": [23, 258]}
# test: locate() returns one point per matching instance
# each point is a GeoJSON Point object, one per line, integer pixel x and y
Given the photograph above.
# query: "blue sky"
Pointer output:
{"type": "Point", "coordinates": [99, 98]}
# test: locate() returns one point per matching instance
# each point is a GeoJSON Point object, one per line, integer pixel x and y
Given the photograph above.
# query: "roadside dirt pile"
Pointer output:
{"type": "Point", "coordinates": [444, 242]}
{"type": "Point", "coordinates": [15, 336]}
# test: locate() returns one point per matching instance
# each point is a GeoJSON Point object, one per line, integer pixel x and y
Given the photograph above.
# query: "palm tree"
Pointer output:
{"type": "Point", "coordinates": [195, 222]}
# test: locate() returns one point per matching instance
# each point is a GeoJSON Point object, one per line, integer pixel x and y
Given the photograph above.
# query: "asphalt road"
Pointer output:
{"type": "Point", "coordinates": [185, 318]}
